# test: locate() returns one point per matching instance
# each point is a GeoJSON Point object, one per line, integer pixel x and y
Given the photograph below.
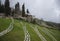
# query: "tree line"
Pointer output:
{"type": "Point", "coordinates": [6, 9]}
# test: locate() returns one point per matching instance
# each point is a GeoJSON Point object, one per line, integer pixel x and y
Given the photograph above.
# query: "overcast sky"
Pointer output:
{"type": "Point", "coordinates": [47, 9]}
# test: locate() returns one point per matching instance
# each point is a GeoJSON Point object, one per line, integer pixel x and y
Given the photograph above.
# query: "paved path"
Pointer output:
{"type": "Point", "coordinates": [27, 35]}
{"type": "Point", "coordinates": [38, 33]}
{"type": "Point", "coordinates": [8, 29]}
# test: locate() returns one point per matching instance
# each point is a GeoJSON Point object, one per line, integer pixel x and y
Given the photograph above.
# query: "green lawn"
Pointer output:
{"type": "Point", "coordinates": [33, 35]}
{"type": "Point", "coordinates": [56, 34]}
{"type": "Point", "coordinates": [53, 32]}
{"type": "Point", "coordinates": [17, 34]}
{"type": "Point", "coordinates": [4, 23]}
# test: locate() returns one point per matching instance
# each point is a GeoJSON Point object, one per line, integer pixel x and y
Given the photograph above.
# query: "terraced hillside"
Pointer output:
{"type": "Point", "coordinates": [24, 31]}
{"type": "Point", "coordinates": [4, 23]}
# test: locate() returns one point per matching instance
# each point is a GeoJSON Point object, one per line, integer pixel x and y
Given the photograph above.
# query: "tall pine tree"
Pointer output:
{"type": "Point", "coordinates": [7, 7]}
{"type": "Point", "coordinates": [23, 10]}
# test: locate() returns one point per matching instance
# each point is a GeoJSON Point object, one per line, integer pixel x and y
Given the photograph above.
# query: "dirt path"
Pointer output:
{"type": "Point", "coordinates": [27, 35]}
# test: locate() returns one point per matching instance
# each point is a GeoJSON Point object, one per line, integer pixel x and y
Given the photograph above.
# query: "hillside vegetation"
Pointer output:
{"type": "Point", "coordinates": [4, 23]}
{"type": "Point", "coordinates": [35, 32]}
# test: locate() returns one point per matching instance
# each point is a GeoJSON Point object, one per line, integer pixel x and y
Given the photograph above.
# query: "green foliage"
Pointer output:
{"type": "Point", "coordinates": [4, 23]}
{"type": "Point", "coordinates": [34, 22]}
{"type": "Point", "coordinates": [17, 34]}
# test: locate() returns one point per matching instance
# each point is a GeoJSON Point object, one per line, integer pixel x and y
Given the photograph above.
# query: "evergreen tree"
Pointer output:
{"type": "Point", "coordinates": [27, 11]}
{"type": "Point", "coordinates": [23, 10]}
{"type": "Point", "coordinates": [1, 7]}
{"type": "Point", "coordinates": [17, 7]}
{"type": "Point", "coordinates": [7, 7]}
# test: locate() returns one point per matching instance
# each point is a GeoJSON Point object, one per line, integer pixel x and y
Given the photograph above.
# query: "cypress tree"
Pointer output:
{"type": "Point", "coordinates": [7, 7]}
{"type": "Point", "coordinates": [27, 11]}
{"type": "Point", "coordinates": [23, 10]}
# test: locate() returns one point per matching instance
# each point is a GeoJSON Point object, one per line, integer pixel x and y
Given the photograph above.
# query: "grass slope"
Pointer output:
{"type": "Point", "coordinates": [56, 34]}
{"type": "Point", "coordinates": [34, 36]}
{"type": "Point", "coordinates": [4, 23]}
{"type": "Point", "coordinates": [17, 34]}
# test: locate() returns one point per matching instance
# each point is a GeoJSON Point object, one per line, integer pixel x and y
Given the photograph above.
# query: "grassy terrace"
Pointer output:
{"type": "Point", "coordinates": [53, 32]}
{"type": "Point", "coordinates": [56, 34]}
{"type": "Point", "coordinates": [33, 35]}
{"type": "Point", "coordinates": [44, 34]}
{"type": "Point", "coordinates": [17, 34]}
{"type": "Point", "coordinates": [4, 23]}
